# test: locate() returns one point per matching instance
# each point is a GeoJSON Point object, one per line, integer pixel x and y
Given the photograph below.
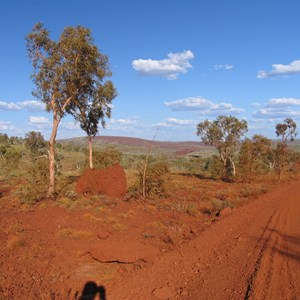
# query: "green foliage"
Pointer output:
{"type": "Point", "coordinates": [224, 133]}
{"type": "Point", "coordinates": [286, 130]}
{"type": "Point", "coordinates": [69, 78]}
{"type": "Point", "coordinates": [155, 179]}
{"type": "Point", "coordinates": [254, 156]}
{"type": "Point", "coordinates": [214, 167]}
{"type": "Point", "coordinates": [4, 139]}
{"type": "Point", "coordinates": [190, 165]}
{"type": "Point", "coordinates": [66, 186]}
{"type": "Point", "coordinates": [14, 140]}
{"type": "Point", "coordinates": [35, 143]}
{"type": "Point", "coordinates": [106, 157]}
{"type": "Point", "coordinates": [3, 150]}
{"type": "Point", "coordinates": [10, 160]}
{"type": "Point", "coordinates": [36, 184]}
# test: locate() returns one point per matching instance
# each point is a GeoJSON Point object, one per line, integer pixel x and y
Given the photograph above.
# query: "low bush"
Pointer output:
{"type": "Point", "coordinates": [36, 184]}
{"type": "Point", "coordinates": [106, 157]}
{"type": "Point", "coordinates": [152, 182]}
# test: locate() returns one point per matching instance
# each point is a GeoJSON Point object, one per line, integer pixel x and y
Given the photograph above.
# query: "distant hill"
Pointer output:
{"type": "Point", "coordinates": [141, 146]}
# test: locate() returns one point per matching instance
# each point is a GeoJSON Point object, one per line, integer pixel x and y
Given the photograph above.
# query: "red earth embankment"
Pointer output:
{"type": "Point", "coordinates": [110, 182]}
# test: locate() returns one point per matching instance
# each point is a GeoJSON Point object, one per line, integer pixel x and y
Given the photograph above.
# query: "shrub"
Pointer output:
{"type": "Point", "coordinates": [66, 186]}
{"type": "Point", "coordinates": [10, 160]}
{"type": "Point", "coordinates": [155, 177]}
{"type": "Point", "coordinates": [214, 166]}
{"type": "Point", "coordinates": [106, 157]}
{"type": "Point", "coordinates": [37, 182]}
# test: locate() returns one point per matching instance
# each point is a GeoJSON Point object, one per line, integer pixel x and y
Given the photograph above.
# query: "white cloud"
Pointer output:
{"type": "Point", "coordinates": [39, 123]}
{"type": "Point", "coordinates": [279, 108]}
{"type": "Point", "coordinates": [122, 121]}
{"type": "Point", "coordinates": [5, 125]}
{"type": "Point", "coordinates": [32, 105]}
{"type": "Point", "coordinates": [175, 123]}
{"type": "Point", "coordinates": [38, 120]}
{"type": "Point", "coordinates": [29, 105]}
{"type": "Point", "coordinates": [275, 113]}
{"type": "Point", "coordinates": [180, 122]}
{"type": "Point", "coordinates": [223, 67]}
{"type": "Point", "coordinates": [203, 106]}
{"type": "Point", "coordinates": [281, 70]}
{"type": "Point", "coordinates": [283, 102]}
{"type": "Point", "coordinates": [9, 106]}
{"type": "Point", "coordinates": [171, 67]}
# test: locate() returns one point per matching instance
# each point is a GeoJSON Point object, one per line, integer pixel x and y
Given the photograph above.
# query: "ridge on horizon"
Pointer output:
{"type": "Point", "coordinates": [129, 138]}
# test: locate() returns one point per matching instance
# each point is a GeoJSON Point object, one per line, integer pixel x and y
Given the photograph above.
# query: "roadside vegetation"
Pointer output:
{"type": "Point", "coordinates": [71, 78]}
{"type": "Point", "coordinates": [258, 165]}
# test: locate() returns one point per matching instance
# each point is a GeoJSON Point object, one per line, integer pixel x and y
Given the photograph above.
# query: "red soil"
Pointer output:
{"type": "Point", "coordinates": [50, 252]}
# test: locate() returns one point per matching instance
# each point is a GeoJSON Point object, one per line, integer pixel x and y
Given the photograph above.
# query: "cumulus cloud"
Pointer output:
{"type": "Point", "coordinates": [9, 106]}
{"type": "Point", "coordinates": [174, 123]}
{"type": "Point", "coordinates": [203, 106]}
{"type": "Point", "coordinates": [32, 105]}
{"type": "Point", "coordinates": [283, 102]}
{"type": "Point", "coordinates": [5, 125]}
{"type": "Point", "coordinates": [223, 67]}
{"type": "Point", "coordinates": [171, 67]}
{"type": "Point", "coordinates": [39, 123]}
{"type": "Point", "coordinates": [180, 122]}
{"type": "Point", "coordinates": [122, 121]}
{"type": "Point", "coordinates": [29, 105]}
{"type": "Point", "coordinates": [279, 108]}
{"type": "Point", "coordinates": [276, 113]}
{"type": "Point", "coordinates": [38, 120]}
{"type": "Point", "coordinates": [281, 70]}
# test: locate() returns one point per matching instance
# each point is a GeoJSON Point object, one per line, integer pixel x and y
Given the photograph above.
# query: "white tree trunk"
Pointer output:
{"type": "Point", "coordinates": [233, 167]}
{"type": "Point", "coordinates": [91, 152]}
{"type": "Point", "coordinates": [51, 187]}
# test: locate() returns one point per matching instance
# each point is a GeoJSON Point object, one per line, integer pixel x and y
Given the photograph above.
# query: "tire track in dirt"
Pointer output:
{"type": "Point", "coordinates": [277, 275]}
{"type": "Point", "coordinates": [251, 254]}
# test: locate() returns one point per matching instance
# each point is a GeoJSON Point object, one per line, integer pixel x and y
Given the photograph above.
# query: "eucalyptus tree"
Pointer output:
{"type": "Point", "coordinates": [97, 107]}
{"type": "Point", "coordinates": [286, 131]}
{"type": "Point", "coordinates": [224, 133]}
{"type": "Point", "coordinates": [67, 73]}
{"type": "Point", "coordinates": [253, 154]}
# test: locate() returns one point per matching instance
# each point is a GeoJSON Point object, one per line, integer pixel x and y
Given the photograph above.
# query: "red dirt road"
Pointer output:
{"type": "Point", "coordinates": [254, 253]}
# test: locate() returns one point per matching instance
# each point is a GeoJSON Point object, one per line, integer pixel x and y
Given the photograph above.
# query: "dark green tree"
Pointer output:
{"type": "Point", "coordinates": [68, 73]}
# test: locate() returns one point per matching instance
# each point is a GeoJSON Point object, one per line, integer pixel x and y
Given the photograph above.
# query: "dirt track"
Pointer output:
{"type": "Point", "coordinates": [254, 253]}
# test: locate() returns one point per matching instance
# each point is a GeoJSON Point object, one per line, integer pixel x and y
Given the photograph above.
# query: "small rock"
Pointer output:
{"type": "Point", "coordinates": [163, 293]}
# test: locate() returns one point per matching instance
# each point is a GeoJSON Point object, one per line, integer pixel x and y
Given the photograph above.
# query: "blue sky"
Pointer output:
{"type": "Point", "coordinates": [174, 63]}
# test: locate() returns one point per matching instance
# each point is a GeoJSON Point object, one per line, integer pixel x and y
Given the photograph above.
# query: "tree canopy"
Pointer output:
{"type": "Point", "coordinates": [68, 75]}
{"type": "Point", "coordinates": [287, 130]}
{"type": "Point", "coordinates": [224, 133]}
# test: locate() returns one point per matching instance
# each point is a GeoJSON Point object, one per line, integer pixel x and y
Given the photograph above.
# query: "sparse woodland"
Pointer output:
{"type": "Point", "coordinates": [69, 83]}
{"type": "Point", "coordinates": [170, 198]}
